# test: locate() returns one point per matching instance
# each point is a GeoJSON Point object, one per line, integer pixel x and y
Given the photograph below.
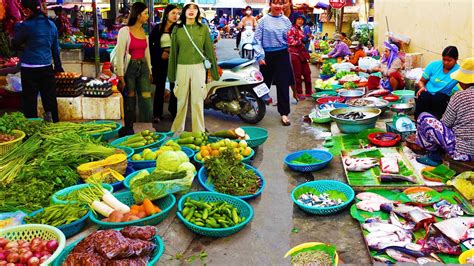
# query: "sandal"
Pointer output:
{"type": "Point", "coordinates": [285, 123]}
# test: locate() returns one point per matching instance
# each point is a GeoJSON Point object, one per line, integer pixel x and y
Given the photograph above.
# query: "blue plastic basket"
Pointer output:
{"type": "Point", "coordinates": [126, 197]}
{"type": "Point", "coordinates": [137, 165]}
{"type": "Point", "coordinates": [209, 140]}
{"type": "Point", "coordinates": [71, 228]}
{"type": "Point", "coordinates": [64, 192]}
{"type": "Point", "coordinates": [334, 105]}
{"type": "Point", "coordinates": [258, 136]}
{"type": "Point", "coordinates": [159, 250]}
{"type": "Point", "coordinates": [322, 186]}
{"type": "Point", "coordinates": [156, 144]}
{"type": "Point", "coordinates": [202, 178]}
{"type": "Point", "coordinates": [246, 159]}
{"type": "Point", "coordinates": [128, 151]}
{"type": "Point", "coordinates": [325, 156]}
{"type": "Point", "coordinates": [244, 209]}
{"type": "Point", "coordinates": [126, 182]}
{"type": "Point", "coordinates": [107, 135]}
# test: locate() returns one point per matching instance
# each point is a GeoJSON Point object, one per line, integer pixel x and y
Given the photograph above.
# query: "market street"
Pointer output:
{"type": "Point", "coordinates": [278, 224]}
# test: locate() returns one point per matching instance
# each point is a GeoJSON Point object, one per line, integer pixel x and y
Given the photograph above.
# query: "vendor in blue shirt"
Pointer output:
{"type": "Point", "coordinates": [436, 85]}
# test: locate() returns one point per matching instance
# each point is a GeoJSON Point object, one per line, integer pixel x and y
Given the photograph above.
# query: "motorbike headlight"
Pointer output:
{"type": "Point", "coordinates": [257, 75]}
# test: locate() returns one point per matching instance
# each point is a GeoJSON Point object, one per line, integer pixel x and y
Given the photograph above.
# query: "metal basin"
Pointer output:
{"type": "Point", "coordinates": [357, 125]}
{"type": "Point", "coordinates": [349, 94]}
{"type": "Point", "coordinates": [369, 102]}
{"type": "Point", "coordinates": [402, 107]}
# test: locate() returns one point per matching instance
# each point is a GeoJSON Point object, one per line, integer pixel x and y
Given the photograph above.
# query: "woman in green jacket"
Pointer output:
{"type": "Point", "coordinates": [186, 67]}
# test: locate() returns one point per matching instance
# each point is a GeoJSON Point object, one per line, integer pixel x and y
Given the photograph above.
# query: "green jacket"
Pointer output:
{"type": "Point", "coordinates": [183, 52]}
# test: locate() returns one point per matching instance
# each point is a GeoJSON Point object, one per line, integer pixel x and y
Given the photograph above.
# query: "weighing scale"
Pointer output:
{"type": "Point", "coordinates": [403, 123]}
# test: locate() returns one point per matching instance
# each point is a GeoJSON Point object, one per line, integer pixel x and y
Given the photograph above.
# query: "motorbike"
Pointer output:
{"type": "Point", "coordinates": [239, 90]}
{"type": "Point", "coordinates": [246, 49]}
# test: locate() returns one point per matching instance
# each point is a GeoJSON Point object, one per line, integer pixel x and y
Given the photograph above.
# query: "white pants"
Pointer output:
{"type": "Point", "coordinates": [190, 79]}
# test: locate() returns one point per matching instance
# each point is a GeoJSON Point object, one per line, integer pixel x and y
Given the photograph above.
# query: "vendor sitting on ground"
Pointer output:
{"type": "Point", "coordinates": [359, 53]}
{"type": "Point", "coordinates": [455, 132]}
{"type": "Point", "coordinates": [436, 85]}
{"type": "Point", "coordinates": [390, 66]}
{"type": "Point", "coordinates": [340, 50]}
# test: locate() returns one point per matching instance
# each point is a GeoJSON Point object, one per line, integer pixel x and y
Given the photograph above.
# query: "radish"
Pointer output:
{"type": "Point", "coordinates": [113, 202]}
{"type": "Point", "coordinates": [102, 208]}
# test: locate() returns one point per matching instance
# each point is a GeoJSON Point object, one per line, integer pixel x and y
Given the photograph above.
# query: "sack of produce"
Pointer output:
{"type": "Point", "coordinates": [117, 162]}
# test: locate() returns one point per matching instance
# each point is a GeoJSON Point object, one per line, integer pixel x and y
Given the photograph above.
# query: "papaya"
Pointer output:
{"type": "Point", "coordinates": [117, 162]}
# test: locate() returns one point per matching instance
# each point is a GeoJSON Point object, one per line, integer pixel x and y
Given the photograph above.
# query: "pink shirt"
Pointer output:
{"type": "Point", "coordinates": [137, 47]}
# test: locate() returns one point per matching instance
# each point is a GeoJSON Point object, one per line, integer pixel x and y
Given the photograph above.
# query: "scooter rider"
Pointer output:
{"type": "Point", "coordinates": [247, 20]}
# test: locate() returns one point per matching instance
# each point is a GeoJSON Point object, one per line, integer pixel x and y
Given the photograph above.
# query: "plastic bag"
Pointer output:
{"type": "Point", "coordinates": [14, 82]}
{"type": "Point", "coordinates": [158, 189]}
{"type": "Point", "coordinates": [414, 74]}
{"type": "Point", "coordinates": [368, 63]}
{"type": "Point", "coordinates": [10, 219]}
{"type": "Point", "coordinates": [343, 67]}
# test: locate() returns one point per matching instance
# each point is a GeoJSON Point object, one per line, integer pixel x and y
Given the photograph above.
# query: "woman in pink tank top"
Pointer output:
{"type": "Point", "coordinates": [134, 71]}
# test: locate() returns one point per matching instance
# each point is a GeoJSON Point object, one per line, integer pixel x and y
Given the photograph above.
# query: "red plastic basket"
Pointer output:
{"type": "Point", "coordinates": [384, 143]}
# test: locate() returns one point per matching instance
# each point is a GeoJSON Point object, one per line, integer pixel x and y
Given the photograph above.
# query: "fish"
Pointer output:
{"type": "Point", "coordinates": [455, 228]}
{"type": "Point", "coordinates": [372, 196]}
{"type": "Point", "coordinates": [425, 260]}
{"type": "Point", "coordinates": [369, 206]}
{"type": "Point", "coordinates": [395, 221]}
{"type": "Point", "coordinates": [375, 220]}
{"type": "Point", "coordinates": [447, 210]}
{"type": "Point", "coordinates": [406, 251]}
{"type": "Point", "coordinates": [399, 256]}
{"type": "Point", "coordinates": [381, 244]}
{"type": "Point", "coordinates": [379, 92]}
{"type": "Point", "coordinates": [389, 165]}
{"type": "Point", "coordinates": [360, 164]}
{"type": "Point", "coordinates": [439, 244]}
{"type": "Point", "coordinates": [388, 228]}
{"type": "Point", "coordinates": [412, 213]}
{"type": "Point", "coordinates": [382, 259]}
{"type": "Point", "coordinates": [351, 115]}
{"type": "Point", "coordinates": [397, 178]}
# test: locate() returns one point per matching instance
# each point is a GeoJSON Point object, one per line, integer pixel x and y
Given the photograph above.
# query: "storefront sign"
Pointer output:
{"type": "Point", "coordinates": [337, 3]}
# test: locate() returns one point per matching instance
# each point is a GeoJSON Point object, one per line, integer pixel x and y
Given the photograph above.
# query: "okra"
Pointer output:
{"type": "Point", "coordinates": [186, 211]}
{"type": "Point", "coordinates": [190, 214]}
{"type": "Point", "coordinates": [235, 217]}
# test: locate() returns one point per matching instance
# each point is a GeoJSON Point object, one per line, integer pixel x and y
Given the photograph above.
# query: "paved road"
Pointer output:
{"type": "Point", "coordinates": [266, 239]}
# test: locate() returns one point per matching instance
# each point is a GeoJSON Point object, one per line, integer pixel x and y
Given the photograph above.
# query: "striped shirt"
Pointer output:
{"type": "Point", "coordinates": [271, 34]}
{"type": "Point", "coordinates": [459, 116]}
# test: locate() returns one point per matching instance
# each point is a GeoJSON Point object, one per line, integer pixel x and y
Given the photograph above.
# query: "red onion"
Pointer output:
{"type": "Point", "coordinates": [26, 256]}
{"type": "Point", "coordinates": [35, 248]}
{"type": "Point", "coordinates": [3, 262]}
{"type": "Point", "coordinates": [33, 261]}
{"type": "Point", "coordinates": [37, 254]}
{"type": "Point", "coordinates": [3, 242]}
{"type": "Point", "coordinates": [45, 253]}
{"type": "Point", "coordinates": [23, 250]}
{"type": "Point", "coordinates": [44, 258]}
{"type": "Point", "coordinates": [10, 264]}
{"type": "Point", "coordinates": [3, 256]}
{"type": "Point", "coordinates": [35, 241]}
{"type": "Point", "coordinates": [52, 245]}
{"type": "Point", "coordinates": [24, 245]}
{"type": "Point", "coordinates": [11, 245]}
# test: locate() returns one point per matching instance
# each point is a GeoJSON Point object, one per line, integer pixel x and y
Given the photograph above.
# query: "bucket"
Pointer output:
{"type": "Point", "coordinates": [405, 95]}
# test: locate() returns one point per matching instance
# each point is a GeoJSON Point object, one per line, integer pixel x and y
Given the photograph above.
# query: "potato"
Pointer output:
{"type": "Point", "coordinates": [116, 216]}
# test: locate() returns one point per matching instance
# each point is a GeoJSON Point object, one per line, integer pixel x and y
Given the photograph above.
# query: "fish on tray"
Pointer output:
{"type": "Point", "coordinates": [384, 178]}
{"type": "Point", "coordinates": [379, 92]}
{"type": "Point", "coordinates": [372, 197]}
{"type": "Point", "coordinates": [411, 213]}
{"type": "Point", "coordinates": [455, 228]}
{"type": "Point", "coordinates": [389, 165]}
{"type": "Point", "coordinates": [360, 164]}
{"type": "Point", "coordinates": [370, 202]}
{"type": "Point", "coordinates": [385, 137]}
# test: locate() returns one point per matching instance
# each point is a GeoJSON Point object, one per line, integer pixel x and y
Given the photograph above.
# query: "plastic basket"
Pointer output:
{"type": "Point", "coordinates": [159, 250]}
{"type": "Point", "coordinates": [246, 159]}
{"type": "Point", "coordinates": [66, 191]}
{"type": "Point", "coordinates": [322, 186]}
{"type": "Point", "coordinates": [156, 144]}
{"type": "Point", "coordinates": [325, 156]}
{"type": "Point", "coordinates": [126, 197]}
{"type": "Point", "coordinates": [244, 209]}
{"type": "Point", "coordinates": [202, 178]}
{"type": "Point", "coordinates": [9, 145]}
{"type": "Point", "coordinates": [69, 229]}
{"type": "Point", "coordinates": [106, 135]}
{"type": "Point", "coordinates": [27, 232]}
{"type": "Point", "coordinates": [258, 136]}
{"type": "Point", "coordinates": [137, 165]}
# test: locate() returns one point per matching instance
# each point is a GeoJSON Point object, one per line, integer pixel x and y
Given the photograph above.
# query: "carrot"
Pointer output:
{"type": "Point", "coordinates": [134, 210]}
{"type": "Point", "coordinates": [141, 207]}
{"type": "Point", "coordinates": [157, 209]}
{"type": "Point", "coordinates": [149, 207]}
{"type": "Point", "coordinates": [135, 207]}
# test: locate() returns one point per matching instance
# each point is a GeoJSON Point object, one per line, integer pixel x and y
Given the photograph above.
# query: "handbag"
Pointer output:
{"type": "Point", "coordinates": [207, 63]}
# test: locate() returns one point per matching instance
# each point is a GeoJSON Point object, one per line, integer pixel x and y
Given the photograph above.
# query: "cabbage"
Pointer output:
{"type": "Point", "coordinates": [169, 161]}
{"type": "Point", "coordinates": [182, 156]}
{"type": "Point", "coordinates": [189, 167]}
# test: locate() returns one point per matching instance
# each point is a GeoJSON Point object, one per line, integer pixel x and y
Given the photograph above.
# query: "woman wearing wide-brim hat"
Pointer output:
{"type": "Point", "coordinates": [454, 133]}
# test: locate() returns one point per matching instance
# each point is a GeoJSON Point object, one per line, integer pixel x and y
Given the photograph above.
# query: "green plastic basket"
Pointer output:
{"type": "Point", "coordinates": [106, 135]}
{"type": "Point", "coordinates": [160, 249]}
{"type": "Point", "coordinates": [10, 145]}
{"type": "Point", "coordinates": [63, 192]}
{"type": "Point", "coordinates": [27, 232]}
{"type": "Point", "coordinates": [69, 229]}
{"type": "Point", "coordinates": [126, 197]}
{"type": "Point", "coordinates": [322, 186]}
{"type": "Point", "coordinates": [156, 144]}
{"type": "Point", "coordinates": [258, 136]}
{"type": "Point", "coordinates": [243, 208]}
